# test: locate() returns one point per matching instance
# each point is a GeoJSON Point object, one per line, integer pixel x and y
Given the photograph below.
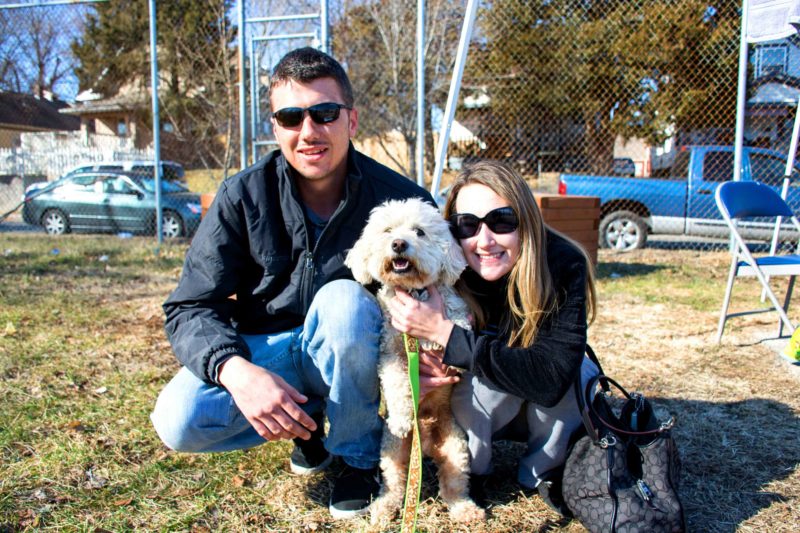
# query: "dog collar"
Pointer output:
{"type": "Point", "coordinates": [419, 294]}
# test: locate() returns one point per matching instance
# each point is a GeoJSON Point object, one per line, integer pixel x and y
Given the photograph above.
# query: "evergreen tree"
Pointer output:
{"type": "Point", "coordinates": [641, 69]}
{"type": "Point", "coordinates": [196, 70]}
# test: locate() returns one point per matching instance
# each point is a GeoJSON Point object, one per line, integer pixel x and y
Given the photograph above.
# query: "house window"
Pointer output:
{"type": "Point", "coordinates": [771, 60]}
{"type": "Point", "coordinates": [122, 128]}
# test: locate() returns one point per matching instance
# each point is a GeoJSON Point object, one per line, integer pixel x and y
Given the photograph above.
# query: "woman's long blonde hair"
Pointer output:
{"type": "Point", "coordinates": [531, 294]}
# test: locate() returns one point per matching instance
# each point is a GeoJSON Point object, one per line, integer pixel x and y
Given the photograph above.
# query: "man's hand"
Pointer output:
{"type": "Point", "coordinates": [433, 373]}
{"type": "Point", "coordinates": [266, 400]}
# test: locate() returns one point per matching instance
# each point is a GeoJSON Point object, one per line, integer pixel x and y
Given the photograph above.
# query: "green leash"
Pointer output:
{"type": "Point", "coordinates": [414, 480]}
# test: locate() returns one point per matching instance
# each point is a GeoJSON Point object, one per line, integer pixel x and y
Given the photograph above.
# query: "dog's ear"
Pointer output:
{"type": "Point", "coordinates": [356, 261]}
{"type": "Point", "coordinates": [455, 263]}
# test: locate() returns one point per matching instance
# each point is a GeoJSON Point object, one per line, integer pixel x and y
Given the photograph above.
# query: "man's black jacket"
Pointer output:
{"type": "Point", "coordinates": [251, 267]}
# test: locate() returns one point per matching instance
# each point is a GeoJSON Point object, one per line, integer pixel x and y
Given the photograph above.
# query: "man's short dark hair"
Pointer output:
{"type": "Point", "coordinates": [308, 64]}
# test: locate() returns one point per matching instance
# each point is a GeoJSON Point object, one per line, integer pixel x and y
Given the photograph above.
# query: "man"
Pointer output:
{"type": "Point", "coordinates": [266, 319]}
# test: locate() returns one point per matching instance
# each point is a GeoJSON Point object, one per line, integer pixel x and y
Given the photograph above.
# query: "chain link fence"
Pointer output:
{"type": "Point", "coordinates": [80, 147]}
{"type": "Point", "coordinates": [624, 89]}
{"type": "Point", "coordinates": [608, 99]}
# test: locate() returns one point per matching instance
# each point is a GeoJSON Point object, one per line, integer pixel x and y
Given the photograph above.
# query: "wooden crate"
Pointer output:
{"type": "Point", "coordinates": [578, 217]}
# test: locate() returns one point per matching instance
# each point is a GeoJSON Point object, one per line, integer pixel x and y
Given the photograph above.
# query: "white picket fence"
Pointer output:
{"type": "Point", "coordinates": [51, 154]}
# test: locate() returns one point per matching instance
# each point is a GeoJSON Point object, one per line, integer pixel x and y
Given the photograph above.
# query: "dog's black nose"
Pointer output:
{"type": "Point", "coordinates": [399, 246]}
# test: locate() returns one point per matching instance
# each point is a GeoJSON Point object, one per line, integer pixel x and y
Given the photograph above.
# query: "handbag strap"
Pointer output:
{"type": "Point", "coordinates": [582, 402]}
{"type": "Point", "coordinates": [593, 358]}
{"type": "Point", "coordinates": [586, 406]}
{"type": "Point", "coordinates": [605, 380]}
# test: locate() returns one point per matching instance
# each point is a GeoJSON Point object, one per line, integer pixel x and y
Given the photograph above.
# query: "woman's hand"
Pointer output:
{"type": "Point", "coordinates": [423, 320]}
{"type": "Point", "coordinates": [433, 373]}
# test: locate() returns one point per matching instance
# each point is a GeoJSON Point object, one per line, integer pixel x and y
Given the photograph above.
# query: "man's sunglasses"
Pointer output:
{"type": "Point", "coordinates": [289, 117]}
{"type": "Point", "coordinates": [500, 220]}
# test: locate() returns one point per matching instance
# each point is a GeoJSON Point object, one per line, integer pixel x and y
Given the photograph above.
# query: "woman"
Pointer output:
{"type": "Point", "coordinates": [532, 290]}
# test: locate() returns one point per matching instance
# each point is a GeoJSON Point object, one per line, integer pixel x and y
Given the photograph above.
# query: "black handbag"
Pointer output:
{"type": "Point", "coordinates": [622, 473]}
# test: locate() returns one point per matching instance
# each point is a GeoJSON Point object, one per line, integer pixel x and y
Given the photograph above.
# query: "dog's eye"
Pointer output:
{"type": "Point", "coordinates": [419, 232]}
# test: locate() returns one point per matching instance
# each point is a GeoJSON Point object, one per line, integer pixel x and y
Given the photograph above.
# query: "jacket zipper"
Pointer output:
{"type": "Point", "coordinates": [308, 278]}
{"type": "Point", "coordinates": [307, 281]}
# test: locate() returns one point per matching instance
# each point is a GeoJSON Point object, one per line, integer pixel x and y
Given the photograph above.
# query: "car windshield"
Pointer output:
{"type": "Point", "coordinates": [149, 185]}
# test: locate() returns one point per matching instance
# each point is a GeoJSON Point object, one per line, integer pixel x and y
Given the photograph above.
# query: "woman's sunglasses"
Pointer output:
{"type": "Point", "coordinates": [289, 117]}
{"type": "Point", "coordinates": [500, 220]}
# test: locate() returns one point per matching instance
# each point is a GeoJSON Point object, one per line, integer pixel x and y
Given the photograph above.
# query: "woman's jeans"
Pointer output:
{"type": "Point", "coordinates": [332, 358]}
{"type": "Point", "coordinates": [487, 415]}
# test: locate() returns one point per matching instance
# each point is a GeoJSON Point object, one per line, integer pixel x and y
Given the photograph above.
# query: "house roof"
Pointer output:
{"type": "Point", "coordinates": [114, 104]}
{"type": "Point", "coordinates": [28, 113]}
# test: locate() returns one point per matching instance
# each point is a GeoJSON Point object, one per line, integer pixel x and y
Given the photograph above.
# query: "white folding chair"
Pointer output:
{"type": "Point", "coordinates": [745, 199]}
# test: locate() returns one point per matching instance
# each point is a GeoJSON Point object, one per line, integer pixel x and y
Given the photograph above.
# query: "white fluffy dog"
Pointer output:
{"type": "Point", "coordinates": [407, 244]}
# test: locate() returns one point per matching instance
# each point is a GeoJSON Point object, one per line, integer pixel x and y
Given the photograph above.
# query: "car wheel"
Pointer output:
{"type": "Point", "coordinates": [55, 222]}
{"type": "Point", "coordinates": [171, 225]}
{"type": "Point", "coordinates": [623, 231]}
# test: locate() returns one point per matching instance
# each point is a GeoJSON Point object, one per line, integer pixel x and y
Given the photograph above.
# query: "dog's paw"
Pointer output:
{"type": "Point", "coordinates": [466, 511]}
{"type": "Point", "coordinates": [399, 426]}
{"type": "Point", "coordinates": [382, 511]}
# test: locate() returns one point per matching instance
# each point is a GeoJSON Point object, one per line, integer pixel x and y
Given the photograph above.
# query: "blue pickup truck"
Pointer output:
{"type": "Point", "coordinates": [679, 200]}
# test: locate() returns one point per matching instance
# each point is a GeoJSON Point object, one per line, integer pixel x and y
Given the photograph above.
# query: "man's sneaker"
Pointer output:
{"type": "Point", "coordinates": [353, 491]}
{"type": "Point", "coordinates": [310, 456]}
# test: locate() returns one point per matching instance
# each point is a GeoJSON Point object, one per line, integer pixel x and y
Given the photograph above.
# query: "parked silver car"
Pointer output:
{"type": "Point", "coordinates": [111, 202]}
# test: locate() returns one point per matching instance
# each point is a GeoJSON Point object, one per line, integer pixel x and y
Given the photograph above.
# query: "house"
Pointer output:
{"type": "Point", "coordinates": [40, 138]}
{"type": "Point", "coordinates": [392, 149]}
{"type": "Point", "coordinates": [21, 113]}
{"type": "Point", "coordinates": [772, 106]}
{"type": "Point", "coordinates": [119, 115]}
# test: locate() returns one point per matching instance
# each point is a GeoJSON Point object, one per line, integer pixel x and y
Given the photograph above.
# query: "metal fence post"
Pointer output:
{"type": "Point", "coordinates": [156, 122]}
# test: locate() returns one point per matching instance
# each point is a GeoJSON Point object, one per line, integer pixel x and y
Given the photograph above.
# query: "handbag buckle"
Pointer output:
{"type": "Point", "coordinates": [667, 424]}
{"type": "Point", "coordinates": [608, 441]}
{"type": "Point", "coordinates": [638, 399]}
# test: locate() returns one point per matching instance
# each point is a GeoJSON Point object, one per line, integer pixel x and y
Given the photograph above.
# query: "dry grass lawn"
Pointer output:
{"type": "Point", "coordinates": [83, 355]}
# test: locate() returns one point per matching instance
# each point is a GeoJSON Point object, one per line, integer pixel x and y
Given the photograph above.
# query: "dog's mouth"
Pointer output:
{"type": "Point", "coordinates": [402, 271]}
{"type": "Point", "coordinates": [401, 265]}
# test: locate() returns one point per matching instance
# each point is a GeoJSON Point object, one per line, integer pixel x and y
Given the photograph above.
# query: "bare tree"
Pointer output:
{"type": "Point", "coordinates": [43, 41]}
{"type": "Point", "coordinates": [6, 64]}
{"type": "Point", "coordinates": [211, 119]}
{"type": "Point", "coordinates": [377, 42]}
{"type": "Point", "coordinates": [9, 72]}
{"type": "Point", "coordinates": [35, 55]}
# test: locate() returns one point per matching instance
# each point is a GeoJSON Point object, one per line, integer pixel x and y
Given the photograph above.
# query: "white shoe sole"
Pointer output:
{"type": "Point", "coordinates": [305, 471]}
{"type": "Point", "coordinates": [338, 514]}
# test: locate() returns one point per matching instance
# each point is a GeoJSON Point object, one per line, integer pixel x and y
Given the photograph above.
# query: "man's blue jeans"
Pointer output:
{"type": "Point", "coordinates": [332, 359]}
